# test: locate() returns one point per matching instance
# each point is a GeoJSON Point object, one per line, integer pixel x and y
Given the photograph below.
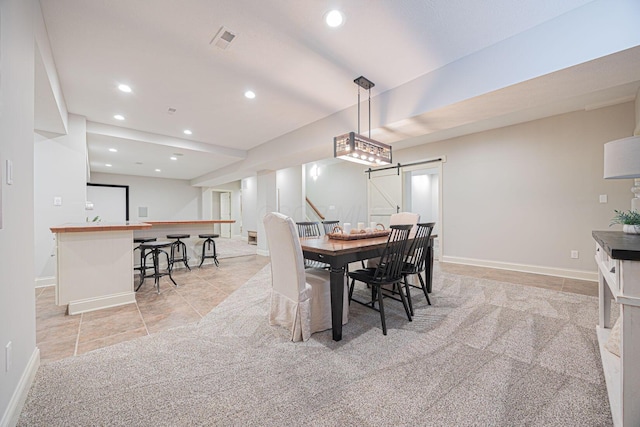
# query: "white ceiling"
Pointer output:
{"type": "Point", "coordinates": [301, 71]}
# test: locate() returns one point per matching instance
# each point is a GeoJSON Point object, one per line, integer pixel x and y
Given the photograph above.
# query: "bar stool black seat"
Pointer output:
{"type": "Point", "coordinates": [210, 244]}
{"type": "Point", "coordinates": [179, 249]}
{"type": "Point", "coordinates": [143, 253]}
{"type": "Point", "coordinates": [155, 249]}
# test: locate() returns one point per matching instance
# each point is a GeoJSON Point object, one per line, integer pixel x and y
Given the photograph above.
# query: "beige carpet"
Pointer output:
{"type": "Point", "coordinates": [485, 354]}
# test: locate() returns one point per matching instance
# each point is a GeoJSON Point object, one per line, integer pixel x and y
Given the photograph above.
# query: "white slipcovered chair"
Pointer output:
{"type": "Point", "coordinates": [300, 299]}
{"type": "Point", "coordinates": [399, 218]}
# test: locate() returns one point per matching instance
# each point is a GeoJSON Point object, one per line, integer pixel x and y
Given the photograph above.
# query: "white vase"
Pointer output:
{"type": "Point", "coordinates": [631, 229]}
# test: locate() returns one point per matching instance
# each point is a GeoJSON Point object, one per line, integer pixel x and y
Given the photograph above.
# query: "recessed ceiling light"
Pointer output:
{"type": "Point", "coordinates": [187, 132]}
{"type": "Point", "coordinates": [250, 94]}
{"type": "Point", "coordinates": [334, 18]}
{"type": "Point", "coordinates": [158, 170]}
{"type": "Point", "coordinates": [173, 158]}
{"type": "Point", "coordinates": [113, 150]}
{"type": "Point", "coordinates": [108, 165]}
{"type": "Point", "coordinates": [124, 88]}
{"type": "Point", "coordinates": [118, 117]}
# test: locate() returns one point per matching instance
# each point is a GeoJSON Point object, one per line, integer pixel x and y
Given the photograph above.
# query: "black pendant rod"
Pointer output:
{"type": "Point", "coordinates": [369, 112]}
{"type": "Point", "coordinates": [358, 110]}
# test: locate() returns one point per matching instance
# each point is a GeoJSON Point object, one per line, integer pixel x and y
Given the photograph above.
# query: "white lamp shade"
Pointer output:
{"type": "Point", "coordinates": [622, 158]}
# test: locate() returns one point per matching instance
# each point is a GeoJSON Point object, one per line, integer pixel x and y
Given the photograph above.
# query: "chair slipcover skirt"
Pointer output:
{"type": "Point", "coordinates": [300, 299]}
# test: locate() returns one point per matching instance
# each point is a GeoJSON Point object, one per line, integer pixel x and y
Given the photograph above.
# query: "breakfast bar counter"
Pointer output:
{"type": "Point", "coordinates": [95, 265]}
{"type": "Point", "coordinates": [160, 230]}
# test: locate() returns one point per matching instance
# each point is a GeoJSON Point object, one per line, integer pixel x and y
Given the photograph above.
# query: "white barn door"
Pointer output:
{"type": "Point", "coordinates": [384, 195]}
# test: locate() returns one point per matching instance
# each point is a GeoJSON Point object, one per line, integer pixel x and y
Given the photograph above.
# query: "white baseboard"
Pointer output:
{"type": "Point", "coordinates": [91, 304]}
{"type": "Point", "coordinates": [549, 271]}
{"type": "Point", "coordinates": [11, 415]}
{"type": "Point", "coordinates": [43, 282]}
{"type": "Point", "coordinates": [262, 252]}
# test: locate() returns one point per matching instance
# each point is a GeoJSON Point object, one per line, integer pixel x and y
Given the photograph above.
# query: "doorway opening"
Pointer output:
{"type": "Point", "coordinates": [412, 188]}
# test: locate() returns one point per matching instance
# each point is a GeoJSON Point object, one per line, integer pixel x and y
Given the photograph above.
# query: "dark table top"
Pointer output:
{"type": "Point", "coordinates": [619, 245]}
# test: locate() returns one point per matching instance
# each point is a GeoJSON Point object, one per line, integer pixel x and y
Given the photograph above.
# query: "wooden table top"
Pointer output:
{"type": "Point", "coordinates": [619, 245]}
{"type": "Point", "coordinates": [326, 246]}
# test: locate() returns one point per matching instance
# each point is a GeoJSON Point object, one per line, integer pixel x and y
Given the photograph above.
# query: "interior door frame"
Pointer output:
{"type": "Point", "coordinates": [225, 226]}
{"type": "Point", "coordinates": [435, 163]}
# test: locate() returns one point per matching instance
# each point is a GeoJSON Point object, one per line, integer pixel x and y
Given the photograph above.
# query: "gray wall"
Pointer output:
{"type": "Point", "coordinates": [17, 298]}
{"type": "Point", "coordinates": [166, 199]}
{"type": "Point", "coordinates": [526, 195]}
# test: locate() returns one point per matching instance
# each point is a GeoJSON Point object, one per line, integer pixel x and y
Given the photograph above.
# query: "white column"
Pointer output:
{"type": "Point", "coordinates": [266, 202]}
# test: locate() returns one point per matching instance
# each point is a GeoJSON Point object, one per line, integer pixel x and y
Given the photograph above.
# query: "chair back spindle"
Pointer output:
{"type": "Point", "coordinates": [417, 253]}
{"type": "Point", "coordinates": [329, 226]}
{"type": "Point", "coordinates": [308, 229]}
{"type": "Point", "coordinates": [389, 269]}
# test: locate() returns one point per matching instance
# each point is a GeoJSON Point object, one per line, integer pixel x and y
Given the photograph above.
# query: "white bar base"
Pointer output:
{"type": "Point", "coordinates": [98, 303]}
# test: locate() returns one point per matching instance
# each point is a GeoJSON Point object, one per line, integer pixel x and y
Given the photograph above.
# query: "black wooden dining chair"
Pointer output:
{"type": "Point", "coordinates": [310, 229]}
{"type": "Point", "coordinates": [416, 259]}
{"type": "Point", "coordinates": [387, 272]}
{"type": "Point", "coordinates": [329, 226]}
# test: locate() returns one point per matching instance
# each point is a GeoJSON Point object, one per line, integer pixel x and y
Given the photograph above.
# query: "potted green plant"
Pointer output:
{"type": "Point", "coordinates": [630, 221]}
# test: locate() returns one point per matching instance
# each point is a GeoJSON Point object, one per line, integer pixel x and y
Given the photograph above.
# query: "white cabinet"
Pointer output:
{"type": "Point", "coordinates": [618, 260]}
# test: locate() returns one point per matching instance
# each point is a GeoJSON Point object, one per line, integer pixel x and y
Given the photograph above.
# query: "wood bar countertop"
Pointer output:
{"type": "Point", "coordinates": [195, 222]}
{"type": "Point", "coordinates": [98, 226]}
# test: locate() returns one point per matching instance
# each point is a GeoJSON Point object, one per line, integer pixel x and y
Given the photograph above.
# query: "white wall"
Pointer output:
{"type": "Point", "coordinates": [59, 171]}
{"type": "Point", "coordinates": [166, 199]}
{"type": "Point", "coordinates": [340, 192]}
{"type": "Point", "coordinates": [526, 195]}
{"type": "Point", "coordinates": [290, 192]}
{"type": "Point", "coordinates": [17, 297]}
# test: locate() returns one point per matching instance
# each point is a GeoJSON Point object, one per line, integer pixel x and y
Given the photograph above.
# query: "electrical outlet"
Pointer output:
{"type": "Point", "coordinates": [574, 254]}
{"type": "Point", "coordinates": [57, 201]}
{"type": "Point", "coordinates": [7, 357]}
{"type": "Point", "coordinates": [603, 198]}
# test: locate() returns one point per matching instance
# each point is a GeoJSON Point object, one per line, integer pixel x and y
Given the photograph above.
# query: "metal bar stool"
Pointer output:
{"type": "Point", "coordinates": [179, 249]}
{"type": "Point", "coordinates": [143, 254]}
{"type": "Point", "coordinates": [155, 249]}
{"type": "Point", "coordinates": [210, 244]}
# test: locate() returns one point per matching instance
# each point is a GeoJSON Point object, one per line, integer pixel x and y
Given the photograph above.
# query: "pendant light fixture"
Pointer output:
{"type": "Point", "coordinates": [357, 148]}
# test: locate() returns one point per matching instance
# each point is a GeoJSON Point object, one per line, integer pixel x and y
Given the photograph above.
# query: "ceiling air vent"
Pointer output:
{"type": "Point", "coordinates": [223, 38]}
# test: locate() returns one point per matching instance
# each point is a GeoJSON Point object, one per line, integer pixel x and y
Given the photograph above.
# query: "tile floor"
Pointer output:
{"type": "Point", "coordinates": [59, 335]}
{"type": "Point", "coordinates": [200, 290]}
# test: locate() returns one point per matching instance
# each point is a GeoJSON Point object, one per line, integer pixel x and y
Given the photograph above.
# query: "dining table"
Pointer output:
{"type": "Point", "coordinates": [338, 254]}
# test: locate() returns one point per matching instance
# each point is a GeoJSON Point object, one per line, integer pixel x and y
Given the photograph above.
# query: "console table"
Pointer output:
{"type": "Point", "coordinates": [618, 260]}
